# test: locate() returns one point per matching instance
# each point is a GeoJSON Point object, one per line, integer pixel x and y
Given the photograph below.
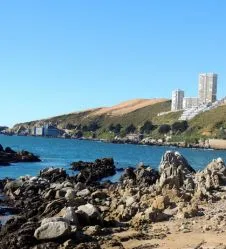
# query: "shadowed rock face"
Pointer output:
{"type": "Point", "coordinates": [90, 171]}
{"type": "Point", "coordinates": [8, 156]}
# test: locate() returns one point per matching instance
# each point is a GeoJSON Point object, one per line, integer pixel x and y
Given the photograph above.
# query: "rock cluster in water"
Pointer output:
{"type": "Point", "coordinates": [8, 156]}
{"type": "Point", "coordinates": [64, 212]}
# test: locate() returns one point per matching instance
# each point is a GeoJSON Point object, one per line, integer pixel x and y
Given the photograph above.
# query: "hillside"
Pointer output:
{"type": "Point", "coordinates": [130, 116]}
{"type": "Point", "coordinates": [211, 123]}
{"type": "Point", "coordinates": [133, 111]}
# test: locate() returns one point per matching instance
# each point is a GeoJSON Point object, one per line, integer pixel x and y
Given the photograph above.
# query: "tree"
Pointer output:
{"type": "Point", "coordinates": [147, 127]}
{"type": "Point", "coordinates": [179, 127]}
{"type": "Point", "coordinates": [165, 128]}
{"type": "Point", "coordinates": [84, 128]}
{"type": "Point", "coordinates": [118, 128]}
{"type": "Point", "coordinates": [93, 126]}
{"type": "Point", "coordinates": [130, 129]}
{"type": "Point", "coordinates": [70, 126]}
{"type": "Point", "coordinates": [111, 127]}
{"type": "Point", "coordinates": [79, 134]}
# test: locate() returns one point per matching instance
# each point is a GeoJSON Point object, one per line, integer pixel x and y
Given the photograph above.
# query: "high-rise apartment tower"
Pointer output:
{"type": "Point", "coordinates": [207, 88]}
{"type": "Point", "coordinates": [177, 100]}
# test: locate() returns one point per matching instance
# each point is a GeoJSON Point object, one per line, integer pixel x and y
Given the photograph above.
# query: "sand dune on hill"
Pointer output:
{"type": "Point", "coordinates": [127, 107]}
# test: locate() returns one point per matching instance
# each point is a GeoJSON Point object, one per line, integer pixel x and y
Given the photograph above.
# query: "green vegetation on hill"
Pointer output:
{"type": "Point", "coordinates": [169, 118]}
{"type": "Point", "coordinates": [145, 120]}
{"type": "Point", "coordinates": [137, 117]}
{"type": "Point", "coordinates": [210, 124]}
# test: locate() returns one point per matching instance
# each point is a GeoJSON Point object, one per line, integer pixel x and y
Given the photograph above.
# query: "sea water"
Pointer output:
{"type": "Point", "coordinates": [58, 152]}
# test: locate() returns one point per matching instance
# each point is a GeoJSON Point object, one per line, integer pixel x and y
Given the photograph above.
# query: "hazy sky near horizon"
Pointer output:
{"type": "Point", "coordinates": [61, 56]}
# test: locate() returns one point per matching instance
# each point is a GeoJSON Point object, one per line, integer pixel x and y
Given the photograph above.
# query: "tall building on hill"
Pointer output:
{"type": "Point", "coordinates": [177, 100]}
{"type": "Point", "coordinates": [207, 88]}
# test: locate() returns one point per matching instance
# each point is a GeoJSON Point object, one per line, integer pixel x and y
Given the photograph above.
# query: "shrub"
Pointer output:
{"type": "Point", "coordinates": [93, 126]}
{"type": "Point", "coordinates": [111, 127]}
{"type": "Point", "coordinates": [84, 128]}
{"type": "Point", "coordinates": [116, 129]}
{"type": "Point", "coordinates": [147, 127]}
{"type": "Point", "coordinates": [163, 129]}
{"type": "Point", "coordinates": [70, 126]}
{"type": "Point", "coordinates": [130, 129]}
{"type": "Point", "coordinates": [179, 127]}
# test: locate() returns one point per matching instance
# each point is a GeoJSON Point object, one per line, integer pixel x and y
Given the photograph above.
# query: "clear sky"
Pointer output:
{"type": "Point", "coordinates": [61, 56]}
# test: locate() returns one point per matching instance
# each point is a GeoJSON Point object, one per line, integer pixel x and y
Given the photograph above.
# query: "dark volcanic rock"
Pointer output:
{"type": "Point", "coordinates": [90, 171]}
{"type": "Point", "coordinates": [9, 150]}
{"type": "Point", "coordinates": [8, 156]}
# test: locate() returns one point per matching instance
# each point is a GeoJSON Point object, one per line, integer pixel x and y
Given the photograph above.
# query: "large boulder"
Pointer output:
{"type": "Point", "coordinates": [71, 216]}
{"type": "Point", "coordinates": [13, 185]}
{"type": "Point", "coordinates": [175, 171]}
{"type": "Point", "coordinates": [53, 207]}
{"type": "Point", "coordinates": [54, 174]}
{"type": "Point", "coordinates": [52, 230]}
{"type": "Point", "coordinates": [70, 194]}
{"type": "Point", "coordinates": [91, 212]}
{"type": "Point", "coordinates": [146, 175]}
{"type": "Point", "coordinates": [211, 178]}
{"type": "Point", "coordinates": [53, 219]}
{"type": "Point", "coordinates": [83, 193]}
{"type": "Point", "coordinates": [142, 175]}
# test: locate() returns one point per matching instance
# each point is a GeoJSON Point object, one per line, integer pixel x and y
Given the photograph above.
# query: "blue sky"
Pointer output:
{"type": "Point", "coordinates": [61, 56]}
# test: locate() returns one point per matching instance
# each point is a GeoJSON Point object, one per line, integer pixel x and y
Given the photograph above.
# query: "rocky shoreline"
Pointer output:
{"type": "Point", "coordinates": [209, 144]}
{"type": "Point", "coordinates": [160, 142]}
{"type": "Point", "coordinates": [8, 156]}
{"type": "Point", "coordinates": [174, 207]}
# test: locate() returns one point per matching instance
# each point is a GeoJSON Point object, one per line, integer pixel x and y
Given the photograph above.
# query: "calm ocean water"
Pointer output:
{"type": "Point", "coordinates": [61, 152]}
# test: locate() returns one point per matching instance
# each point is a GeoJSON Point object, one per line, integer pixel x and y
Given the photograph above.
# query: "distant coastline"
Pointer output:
{"type": "Point", "coordinates": [136, 122]}
{"type": "Point", "coordinates": [210, 144]}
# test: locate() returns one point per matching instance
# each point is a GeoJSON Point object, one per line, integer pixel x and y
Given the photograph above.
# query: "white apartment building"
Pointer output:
{"type": "Point", "coordinates": [207, 88]}
{"type": "Point", "coordinates": [190, 102]}
{"type": "Point", "coordinates": [177, 100]}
